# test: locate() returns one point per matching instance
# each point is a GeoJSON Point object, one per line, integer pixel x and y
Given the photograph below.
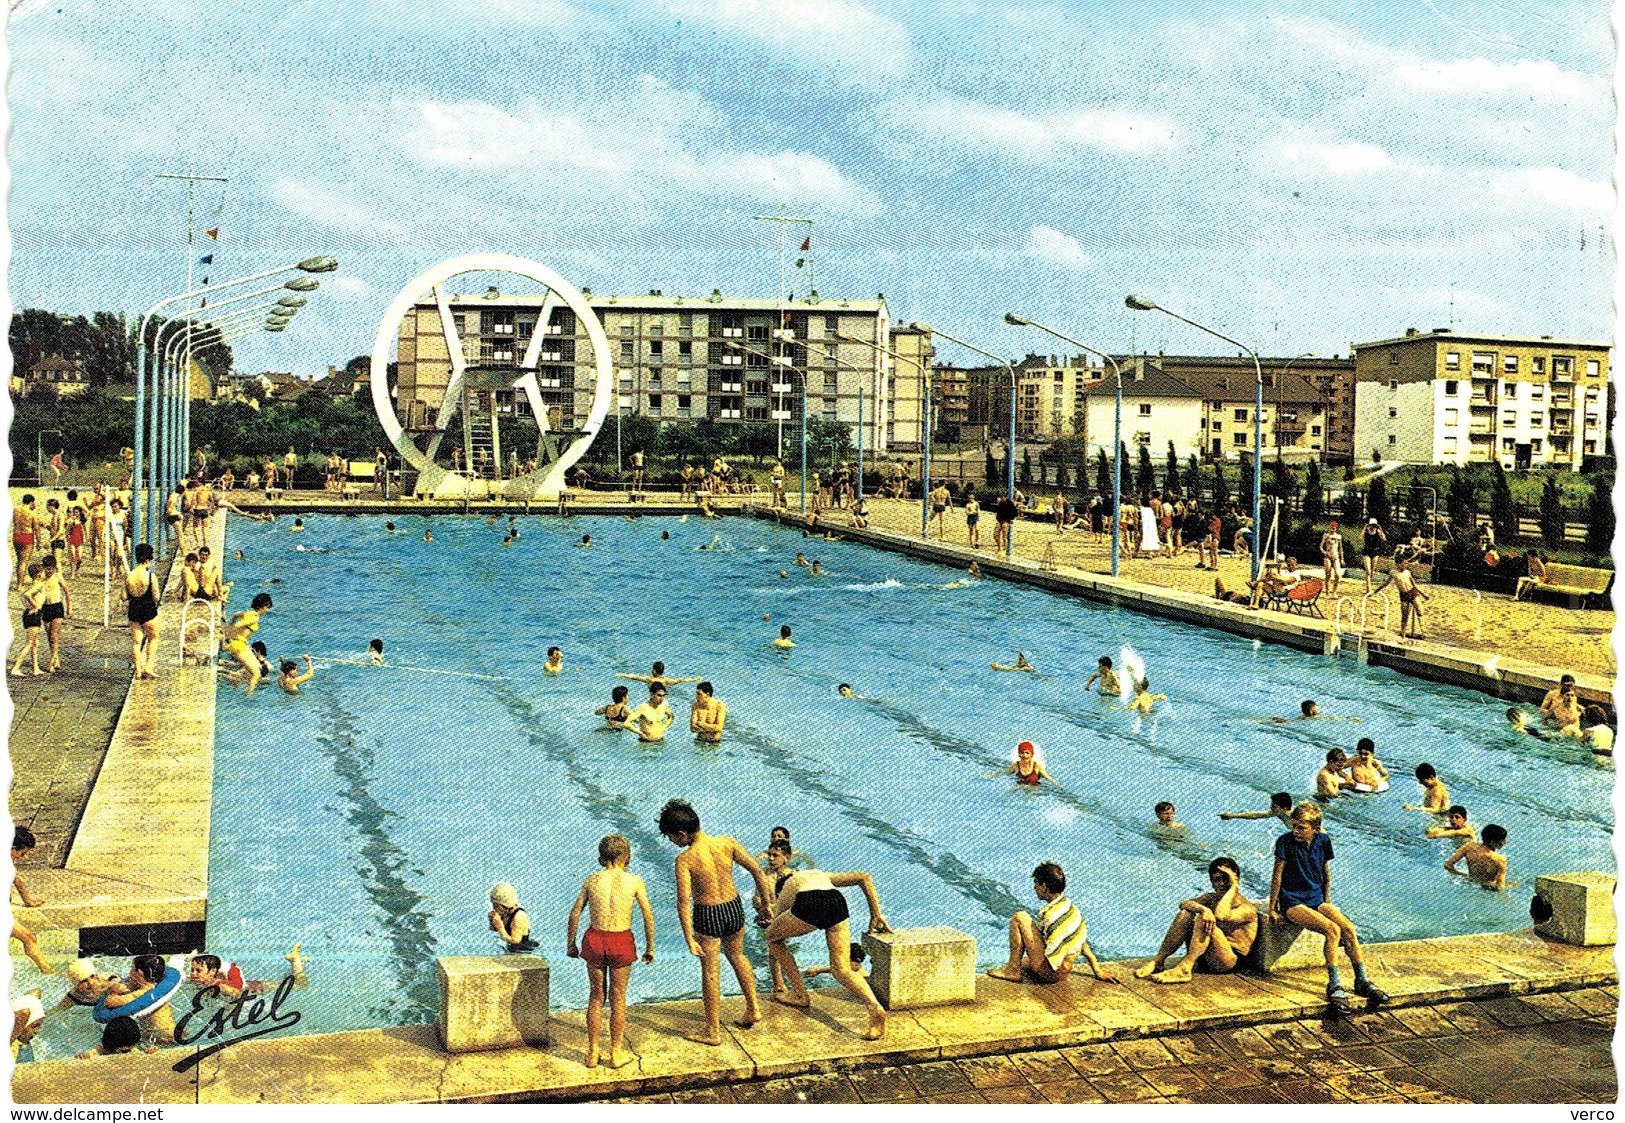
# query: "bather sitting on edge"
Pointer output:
{"type": "Point", "coordinates": [1218, 928]}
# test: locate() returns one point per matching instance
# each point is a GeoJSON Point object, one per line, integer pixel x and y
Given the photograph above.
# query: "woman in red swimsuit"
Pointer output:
{"type": "Point", "coordinates": [1027, 768]}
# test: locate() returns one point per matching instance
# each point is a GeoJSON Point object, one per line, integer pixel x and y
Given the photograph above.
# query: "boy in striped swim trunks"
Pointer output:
{"type": "Point", "coordinates": [711, 913]}
{"type": "Point", "coordinates": [1046, 949]}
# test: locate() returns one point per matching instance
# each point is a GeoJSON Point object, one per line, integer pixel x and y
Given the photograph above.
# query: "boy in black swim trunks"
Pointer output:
{"type": "Point", "coordinates": [810, 900]}
{"type": "Point", "coordinates": [711, 913]}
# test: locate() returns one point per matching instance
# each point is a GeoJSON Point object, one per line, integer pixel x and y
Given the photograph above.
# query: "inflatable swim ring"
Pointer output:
{"type": "Point", "coordinates": [146, 1004]}
{"type": "Point", "coordinates": [1382, 787]}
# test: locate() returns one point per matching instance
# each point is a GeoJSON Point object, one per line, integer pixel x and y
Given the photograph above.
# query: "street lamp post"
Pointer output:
{"type": "Point", "coordinates": [925, 439]}
{"type": "Point", "coordinates": [1141, 304]}
{"type": "Point", "coordinates": [1117, 424]}
{"type": "Point", "coordinates": [142, 476]}
{"type": "Point", "coordinates": [783, 362]}
{"type": "Point", "coordinates": [1010, 449]}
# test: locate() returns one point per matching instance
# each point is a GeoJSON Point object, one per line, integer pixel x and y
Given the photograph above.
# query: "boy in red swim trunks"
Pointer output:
{"type": "Point", "coordinates": [608, 948]}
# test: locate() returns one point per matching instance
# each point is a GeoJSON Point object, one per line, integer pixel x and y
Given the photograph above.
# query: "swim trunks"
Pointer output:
{"type": "Point", "coordinates": [822, 908]}
{"type": "Point", "coordinates": [719, 921]}
{"type": "Point", "coordinates": [23, 539]}
{"type": "Point", "coordinates": [50, 612]}
{"type": "Point", "coordinates": [936, 508]}
{"type": "Point", "coordinates": [971, 520]}
{"type": "Point", "coordinates": [609, 949]}
{"type": "Point", "coordinates": [31, 620]}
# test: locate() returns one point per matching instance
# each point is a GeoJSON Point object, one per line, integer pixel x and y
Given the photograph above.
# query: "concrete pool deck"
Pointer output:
{"type": "Point", "coordinates": [1519, 973]}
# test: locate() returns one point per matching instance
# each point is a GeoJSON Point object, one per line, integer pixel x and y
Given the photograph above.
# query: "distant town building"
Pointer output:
{"type": "Point", "coordinates": [65, 376]}
{"type": "Point", "coordinates": [1308, 403]}
{"type": "Point", "coordinates": [731, 360]}
{"type": "Point", "coordinates": [1443, 398]}
{"type": "Point", "coordinates": [1157, 408]}
{"type": "Point", "coordinates": [950, 404]}
{"type": "Point", "coordinates": [906, 381]}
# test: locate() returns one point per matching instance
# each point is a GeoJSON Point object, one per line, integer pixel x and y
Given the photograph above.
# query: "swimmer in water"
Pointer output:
{"type": "Point", "coordinates": [1144, 701]}
{"type": "Point", "coordinates": [975, 569]}
{"type": "Point", "coordinates": [507, 541]}
{"type": "Point", "coordinates": [1485, 865]}
{"type": "Point", "coordinates": [665, 536]}
{"type": "Point", "coordinates": [1280, 808]}
{"type": "Point", "coordinates": [712, 545]}
{"type": "Point", "coordinates": [290, 679]}
{"type": "Point", "coordinates": [375, 652]}
{"type": "Point", "coordinates": [845, 691]}
{"type": "Point", "coordinates": [1366, 769]}
{"type": "Point", "coordinates": [801, 560]}
{"type": "Point", "coordinates": [1110, 687]}
{"type": "Point", "coordinates": [657, 673]}
{"type": "Point", "coordinates": [1333, 776]}
{"type": "Point", "coordinates": [1309, 711]}
{"type": "Point", "coordinates": [816, 569]}
{"type": "Point", "coordinates": [1029, 773]}
{"type": "Point", "coordinates": [428, 535]}
{"type": "Point", "coordinates": [237, 555]}
{"type": "Point", "coordinates": [555, 661]}
{"type": "Point", "coordinates": [1020, 664]}
{"type": "Point", "coordinates": [585, 543]}
{"type": "Point", "coordinates": [708, 714]}
{"type": "Point", "coordinates": [390, 527]}
{"type": "Point", "coordinates": [784, 641]}
{"type": "Point", "coordinates": [1435, 796]}
{"type": "Point", "coordinates": [783, 573]}
{"type": "Point", "coordinates": [616, 713]}
{"type": "Point", "coordinates": [1520, 722]}
{"type": "Point", "coordinates": [1165, 818]}
{"type": "Point", "coordinates": [297, 527]}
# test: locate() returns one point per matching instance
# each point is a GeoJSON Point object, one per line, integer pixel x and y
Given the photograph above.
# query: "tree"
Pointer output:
{"type": "Point", "coordinates": [1314, 506]}
{"type": "Point", "coordinates": [1502, 513]}
{"type": "Point", "coordinates": [1170, 479]}
{"type": "Point", "coordinates": [1026, 467]}
{"type": "Point", "coordinates": [1221, 489]}
{"type": "Point", "coordinates": [1552, 522]}
{"type": "Point", "coordinates": [1280, 484]}
{"type": "Point", "coordinates": [1600, 514]}
{"type": "Point", "coordinates": [990, 468]}
{"type": "Point", "coordinates": [1193, 477]}
{"type": "Point", "coordinates": [1376, 501]}
{"type": "Point", "coordinates": [1145, 476]}
{"type": "Point", "coordinates": [1061, 481]}
{"type": "Point", "coordinates": [1461, 503]}
{"type": "Point", "coordinates": [1246, 490]}
{"type": "Point", "coordinates": [1103, 474]}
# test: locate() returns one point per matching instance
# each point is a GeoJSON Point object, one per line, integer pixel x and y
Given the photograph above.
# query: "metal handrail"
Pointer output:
{"type": "Point", "coordinates": [1386, 607]}
{"type": "Point", "coordinates": [186, 625]}
{"type": "Point", "coordinates": [1337, 615]}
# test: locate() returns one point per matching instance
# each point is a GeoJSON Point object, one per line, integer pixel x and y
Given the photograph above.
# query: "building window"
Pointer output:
{"type": "Point", "coordinates": [1393, 384]}
{"type": "Point", "coordinates": [1534, 446]}
{"type": "Point", "coordinates": [1452, 360]}
{"type": "Point", "coordinates": [627, 349]}
{"type": "Point", "coordinates": [1452, 417]}
{"type": "Point", "coordinates": [1509, 389]}
{"type": "Point", "coordinates": [1563, 364]}
{"type": "Point", "coordinates": [1241, 415]}
{"type": "Point", "coordinates": [1508, 444]}
{"type": "Point", "coordinates": [1509, 419]}
{"type": "Point", "coordinates": [1314, 430]}
{"type": "Point", "coordinates": [626, 331]}
{"type": "Point", "coordinates": [1450, 446]}
{"type": "Point", "coordinates": [684, 401]}
{"type": "Point", "coordinates": [654, 402]}
{"type": "Point", "coordinates": [1536, 393]}
{"type": "Point", "coordinates": [657, 328]}
{"type": "Point", "coordinates": [1393, 358]}
{"type": "Point", "coordinates": [1241, 438]}
{"type": "Point", "coordinates": [1509, 364]}
{"type": "Point", "coordinates": [1593, 368]}
{"type": "Point", "coordinates": [1393, 411]}
{"type": "Point", "coordinates": [1536, 420]}
{"type": "Point", "coordinates": [1218, 405]}
{"type": "Point", "coordinates": [1142, 438]}
{"type": "Point", "coordinates": [654, 376]}
{"type": "Point", "coordinates": [685, 347]}
{"type": "Point", "coordinates": [1145, 409]}
{"type": "Point", "coordinates": [685, 323]}
{"type": "Point", "coordinates": [1451, 388]}
{"type": "Point", "coordinates": [655, 346]}
{"type": "Point", "coordinates": [1538, 364]}
{"type": "Point", "coordinates": [1392, 440]}
{"type": "Point", "coordinates": [1483, 362]}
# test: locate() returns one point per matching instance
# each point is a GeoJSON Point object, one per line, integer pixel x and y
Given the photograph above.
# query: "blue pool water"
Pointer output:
{"type": "Point", "coordinates": [369, 816]}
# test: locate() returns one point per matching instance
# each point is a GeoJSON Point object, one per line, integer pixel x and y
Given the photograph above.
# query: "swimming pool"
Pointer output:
{"type": "Point", "coordinates": [369, 816]}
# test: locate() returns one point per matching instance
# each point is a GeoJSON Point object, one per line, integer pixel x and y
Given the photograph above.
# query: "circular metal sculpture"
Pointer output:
{"type": "Point", "coordinates": [433, 480]}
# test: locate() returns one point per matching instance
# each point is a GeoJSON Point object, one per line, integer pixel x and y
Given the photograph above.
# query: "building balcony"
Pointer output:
{"type": "Point", "coordinates": [1562, 429]}
{"type": "Point", "coordinates": [1482, 402]}
{"type": "Point", "coordinates": [1481, 429]}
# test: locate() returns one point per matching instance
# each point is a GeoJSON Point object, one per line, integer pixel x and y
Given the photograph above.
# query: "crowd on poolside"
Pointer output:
{"type": "Point", "coordinates": [1216, 928]}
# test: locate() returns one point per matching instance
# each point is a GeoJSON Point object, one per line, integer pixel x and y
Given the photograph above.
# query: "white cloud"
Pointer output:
{"type": "Point", "coordinates": [972, 124]}
{"type": "Point", "coordinates": [1051, 246]}
{"type": "Point", "coordinates": [1540, 78]}
{"type": "Point", "coordinates": [1351, 157]}
{"type": "Point", "coordinates": [823, 34]}
{"type": "Point", "coordinates": [638, 146]}
{"type": "Point", "coordinates": [350, 287]}
{"type": "Point", "coordinates": [1554, 187]}
{"type": "Point", "coordinates": [325, 206]}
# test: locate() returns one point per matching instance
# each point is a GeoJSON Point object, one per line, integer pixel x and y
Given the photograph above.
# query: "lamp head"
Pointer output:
{"type": "Point", "coordinates": [276, 327]}
{"type": "Point", "coordinates": [293, 302]}
{"type": "Point", "coordinates": [917, 326]}
{"type": "Point", "coordinates": [1139, 303]}
{"type": "Point", "coordinates": [303, 284]}
{"type": "Point", "coordinates": [318, 264]}
{"type": "Point", "coordinates": [1014, 320]}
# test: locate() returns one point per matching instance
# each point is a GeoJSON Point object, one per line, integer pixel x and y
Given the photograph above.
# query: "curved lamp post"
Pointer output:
{"type": "Point", "coordinates": [1010, 450]}
{"type": "Point", "coordinates": [1117, 424]}
{"type": "Point", "coordinates": [141, 498]}
{"type": "Point", "coordinates": [1141, 304]}
{"type": "Point", "coordinates": [925, 424]}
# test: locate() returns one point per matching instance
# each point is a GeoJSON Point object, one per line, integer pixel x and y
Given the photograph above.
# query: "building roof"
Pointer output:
{"type": "Point", "coordinates": [56, 363]}
{"type": "Point", "coordinates": [1446, 335]}
{"type": "Point", "coordinates": [1215, 386]}
{"type": "Point", "coordinates": [1154, 382]}
{"type": "Point", "coordinates": [657, 301]}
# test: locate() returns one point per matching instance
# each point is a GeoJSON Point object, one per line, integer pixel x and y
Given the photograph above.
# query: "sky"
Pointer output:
{"type": "Point", "coordinates": [1300, 175]}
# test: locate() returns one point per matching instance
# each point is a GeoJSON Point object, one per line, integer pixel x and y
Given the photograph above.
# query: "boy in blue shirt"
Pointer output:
{"type": "Point", "coordinates": [1300, 892]}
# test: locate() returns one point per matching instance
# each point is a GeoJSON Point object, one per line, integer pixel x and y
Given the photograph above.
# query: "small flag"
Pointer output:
{"type": "Point", "coordinates": [806, 246]}
{"type": "Point", "coordinates": [206, 259]}
{"type": "Point", "coordinates": [213, 232]}
{"type": "Point", "coordinates": [800, 261]}
{"type": "Point", "coordinates": [205, 303]}
{"type": "Point", "coordinates": [205, 280]}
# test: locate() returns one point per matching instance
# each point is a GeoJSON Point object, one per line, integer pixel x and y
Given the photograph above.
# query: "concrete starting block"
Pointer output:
{"type": "Point", "coordinates": [1284, 948]}
{"type": "Point", "coordinates": [915, 967]}
{"type": "Point", "coordinates": [492, 1001]}
{"type": "Point", "coordinates": [1582, 908]}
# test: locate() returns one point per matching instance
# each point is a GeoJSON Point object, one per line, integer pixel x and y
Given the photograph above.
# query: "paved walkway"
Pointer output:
{"type": "Point", "coordinates": [1541, 632]}
{"type": "Point", "coordinates": [1541, 1048]}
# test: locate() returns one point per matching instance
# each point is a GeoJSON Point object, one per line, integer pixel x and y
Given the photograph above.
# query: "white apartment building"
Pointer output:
{"type": "Point", "coordinates": [1157, 408]}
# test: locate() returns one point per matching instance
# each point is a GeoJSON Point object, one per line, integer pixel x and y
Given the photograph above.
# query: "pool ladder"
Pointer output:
{"type": "Point", "coordinates": [1364, 603]}
{"type": "Point", "coordinates": [209, 617]}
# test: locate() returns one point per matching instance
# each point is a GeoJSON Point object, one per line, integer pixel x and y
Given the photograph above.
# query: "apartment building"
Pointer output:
{"type": "Point", "coordinates": [1443, 398]}
{"type": "Point", "coordinates": [1295, 423]}
{"type": "Point", "coordinates": [1157, 408]}
{"type": "Point", "coordinates": [732, 360]}
{"type": "Point", "coordinates": [907, 370]}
